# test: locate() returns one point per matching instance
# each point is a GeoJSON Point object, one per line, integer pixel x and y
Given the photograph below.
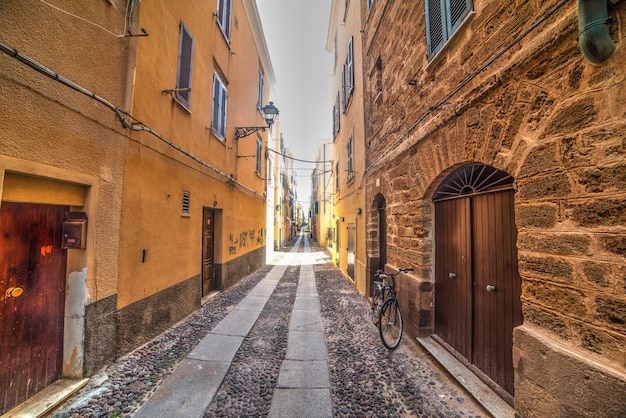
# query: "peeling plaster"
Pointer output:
{"type": "Point", "coordinates": [76, 298]}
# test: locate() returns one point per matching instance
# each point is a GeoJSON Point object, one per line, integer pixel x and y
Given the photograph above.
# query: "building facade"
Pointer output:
{"type": "Point", "coordinates": [344, 42]}
{"type": "Point", "coordinates": [127, 192]}
{"type": "Point", "coordinates": [494, 167]}
{"type": "Point", "coordinates": [322, 218]}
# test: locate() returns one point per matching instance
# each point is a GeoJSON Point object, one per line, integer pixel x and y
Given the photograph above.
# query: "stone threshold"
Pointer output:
{"type": "Point", "coordinates": [47, 400]}
{"type": "Point", "coordinates": [483, 394]}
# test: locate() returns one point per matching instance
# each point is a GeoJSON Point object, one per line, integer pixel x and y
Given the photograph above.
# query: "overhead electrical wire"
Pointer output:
{"type": "Point", "coordinates": [467, 80]}
{"type": "Point", "coordinates": [123, 116]}
{"type": "Point", "coordinates": [297, 159]}
{"type": "Point", "coordinates": [123, 34]}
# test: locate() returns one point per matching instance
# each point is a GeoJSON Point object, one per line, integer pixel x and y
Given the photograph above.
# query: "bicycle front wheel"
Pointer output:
{"type": "Point", "coordinates": [390, 324]}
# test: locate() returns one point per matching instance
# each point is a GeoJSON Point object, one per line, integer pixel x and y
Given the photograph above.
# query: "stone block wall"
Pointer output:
{"type": "Point", "coordinates": [546, 116]}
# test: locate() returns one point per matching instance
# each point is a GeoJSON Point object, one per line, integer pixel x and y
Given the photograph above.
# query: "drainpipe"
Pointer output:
{"type": "Point", "coordinates": [593, 32]}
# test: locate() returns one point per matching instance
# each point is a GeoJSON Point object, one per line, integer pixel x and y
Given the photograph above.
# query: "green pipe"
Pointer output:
{"type": "Point", "coordinates": [593, 32]}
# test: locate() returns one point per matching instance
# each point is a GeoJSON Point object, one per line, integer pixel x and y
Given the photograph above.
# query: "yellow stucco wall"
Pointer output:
{"type": "Point", "coordinates": [350, 196]}
{"type": "Point", "coordinates": [57, 145]}
{"type": "Point", "coordinates": [157, 174]}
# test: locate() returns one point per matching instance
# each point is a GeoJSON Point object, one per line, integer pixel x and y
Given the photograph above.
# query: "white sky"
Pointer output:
{"type": "Point", "coordinates": [295, 32]}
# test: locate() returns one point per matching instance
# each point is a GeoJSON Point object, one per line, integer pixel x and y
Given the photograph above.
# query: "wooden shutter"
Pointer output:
{"type": "Point", "coordinates": [350, 67]}
{"type": "Point", "coordinates": [458, 10]}
{"type": "Point", "coordinates": [435, 25]}
{"type": "Point", "coordinates": [185, 58]}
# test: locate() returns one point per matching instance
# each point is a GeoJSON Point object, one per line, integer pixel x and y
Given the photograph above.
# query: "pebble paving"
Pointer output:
{"type": "Point", "coordinates": [367, 380]}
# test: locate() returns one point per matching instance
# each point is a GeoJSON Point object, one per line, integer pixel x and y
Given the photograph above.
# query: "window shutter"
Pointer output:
{"type": "Point", "coordinates": [344, 98]}
{"type": "Point", "coordinates": [223, 16]}
{"type": "Point", "coordinates": [185, 57]}
{"type": "Point", "coordinates": [223, 109]}
{"type": "Point", "coordinates": [458, 10]}
{"type": "Point", "coordinates": [350, 67]}
{"type": "Point", "coordinates": [435, 25]}
{"type": "Point", "coordinates": [259, 150]}
{"type": "Point", "coordinates": [216, 104]}
{"type": "Point", "coordinates": [220, 100]}
{"type": "Point", "coordinates": [260, 94]}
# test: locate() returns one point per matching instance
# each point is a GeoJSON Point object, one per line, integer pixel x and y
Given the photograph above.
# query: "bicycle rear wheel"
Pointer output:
{"type": "Point", "coordinates": [390, 324]}
{"type": "Point", "coordinates": [376, 302]}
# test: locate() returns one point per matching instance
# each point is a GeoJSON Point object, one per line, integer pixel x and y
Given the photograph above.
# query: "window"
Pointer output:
{"type": "Point", "coordinates": [369, 4]}
{"type": "Point", "coordinates": [223, 16]}
{"type": "Point", "coordinates": [347, 76]}
{"type": "Point", "coordinates": [259, 100]}
{"type": "Point", "coordinates": [443, 18]}
{"type": "Point", "coordinates": [185, 58]}
{"type": "Point", "coordinates": [336, 51]}
{"type": "Point", "coordinates": [337, 175]}
{"type": "Point", "coordinates": [336, 116]}
{"type": "Point", "coordinates": [259, 151]}
{"type": "Point", "coordinates": [218, 116]}
{"type": "Point", "coordinates": [350, 158]}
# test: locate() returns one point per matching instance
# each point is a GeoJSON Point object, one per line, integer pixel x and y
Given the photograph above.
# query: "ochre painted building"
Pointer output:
{"type": "Point", "coordinates": [193, 221]}
{"type": "Point", "coordinates": [125, 195]}
{"type": "Point", "coordinates": [495, 168]}
{"type": "Point", "coordinates": [348, 187]}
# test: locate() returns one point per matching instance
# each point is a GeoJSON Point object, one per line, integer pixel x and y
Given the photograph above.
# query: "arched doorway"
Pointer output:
{"type": "Point", "coordinates": [378, 257]}
{"type": "Point", "coordinates": [477, 284]}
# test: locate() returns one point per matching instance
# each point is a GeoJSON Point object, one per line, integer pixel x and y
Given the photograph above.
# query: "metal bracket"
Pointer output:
{"type": "Point", "coordinates": [244, 131]}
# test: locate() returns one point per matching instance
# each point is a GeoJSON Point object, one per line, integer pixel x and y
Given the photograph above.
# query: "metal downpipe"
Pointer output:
{"type": "Point", "coordinates": [593, 32]}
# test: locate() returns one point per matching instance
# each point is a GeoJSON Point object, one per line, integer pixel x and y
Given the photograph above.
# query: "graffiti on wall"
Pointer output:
{"type": "Point", "coordinates": [244, 239]}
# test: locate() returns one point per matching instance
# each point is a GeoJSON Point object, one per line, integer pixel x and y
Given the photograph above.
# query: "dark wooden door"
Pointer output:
{"type": "Point", "coordinates": [497, 286]}
{"type": "Point", "coordinates": [208, 232]}
{"type": "Point", "coordinates": [477, 289]}
{"type": "Point", "coordinates": [453, 274]}
{"type": "Point", "coordinates": [31, 324]}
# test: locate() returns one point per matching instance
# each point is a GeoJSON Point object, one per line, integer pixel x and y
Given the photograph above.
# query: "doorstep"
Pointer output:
{"type": "Point", "coordinates": [483, 394]}
{"type": "Point", "coordinates": [48, 399]}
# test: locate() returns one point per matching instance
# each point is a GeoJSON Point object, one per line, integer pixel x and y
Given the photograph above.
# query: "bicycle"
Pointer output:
{"type": "Point", "coordinates": [386, 314]}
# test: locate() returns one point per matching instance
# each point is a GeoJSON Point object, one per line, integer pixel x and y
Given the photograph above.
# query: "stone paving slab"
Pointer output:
{"type": "Point", "coordinates": [306, 346]}
{"type": "Point", "coordinates": [263, 289]}
{"type": "Point", "coordinates": [304, 374]}
{"type": "Point", "coordinates": [187, 392]}
{"type": "Point", "coordinates": [305, 321]}
{"type": "Point", "coordinates": [253, 303]}
{"type": "Point", "coordinates": [306, 303]}
{"type": "Point", "coordinates": [237, 322]}
{"type": "Point", "coordinates": [216, 347]}
{"type": "Point", "coordinates": [309, 403]}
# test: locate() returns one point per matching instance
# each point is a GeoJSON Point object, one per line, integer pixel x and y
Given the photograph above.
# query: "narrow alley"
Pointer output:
{"type": "Point", "coordinates": [292, 339]}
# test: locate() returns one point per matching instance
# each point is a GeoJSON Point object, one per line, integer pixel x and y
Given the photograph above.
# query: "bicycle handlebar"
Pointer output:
{"type": "Point", "coordinates": [381, 273]}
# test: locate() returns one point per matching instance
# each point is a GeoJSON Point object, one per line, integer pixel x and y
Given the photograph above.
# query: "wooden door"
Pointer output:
{"type": "Point", "coordinates": [453, 274]}
{"type": "Point", "coordinates": [31, 324]}
{"type": "Point", "coordinates": [477, 285]}
{"type": "Point", "coordinates": [497, 286]}
{"type": "Point", "coordinates": [208, 232]}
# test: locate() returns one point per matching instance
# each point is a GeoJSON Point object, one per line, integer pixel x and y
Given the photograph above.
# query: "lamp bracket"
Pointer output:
{"type": "Point", "coordinates": [244, 131]}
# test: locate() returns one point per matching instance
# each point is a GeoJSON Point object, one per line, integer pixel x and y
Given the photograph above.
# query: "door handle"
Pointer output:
{"type": "Point", "coordinates": [452, 275]}
{"type": "Point", "coordinates": [14, 292]}
{"type": "Point", "coordinates": [491, 288]}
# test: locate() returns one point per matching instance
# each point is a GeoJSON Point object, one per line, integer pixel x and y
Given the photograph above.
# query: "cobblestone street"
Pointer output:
{"type": "Point", "coordinates": [366, 380]}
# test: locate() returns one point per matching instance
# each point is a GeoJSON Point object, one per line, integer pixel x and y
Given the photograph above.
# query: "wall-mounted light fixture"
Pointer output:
{"type": "Point", "coordinates": [343, 219]}
{"type": "Point", "coordinates": [270, 113]}
{"type": "Point", "coordinates": [359, 211]}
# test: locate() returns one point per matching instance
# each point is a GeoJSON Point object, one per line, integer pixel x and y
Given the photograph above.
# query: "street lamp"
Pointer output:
{"type": "Point", "coordinates": [270, 113]}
